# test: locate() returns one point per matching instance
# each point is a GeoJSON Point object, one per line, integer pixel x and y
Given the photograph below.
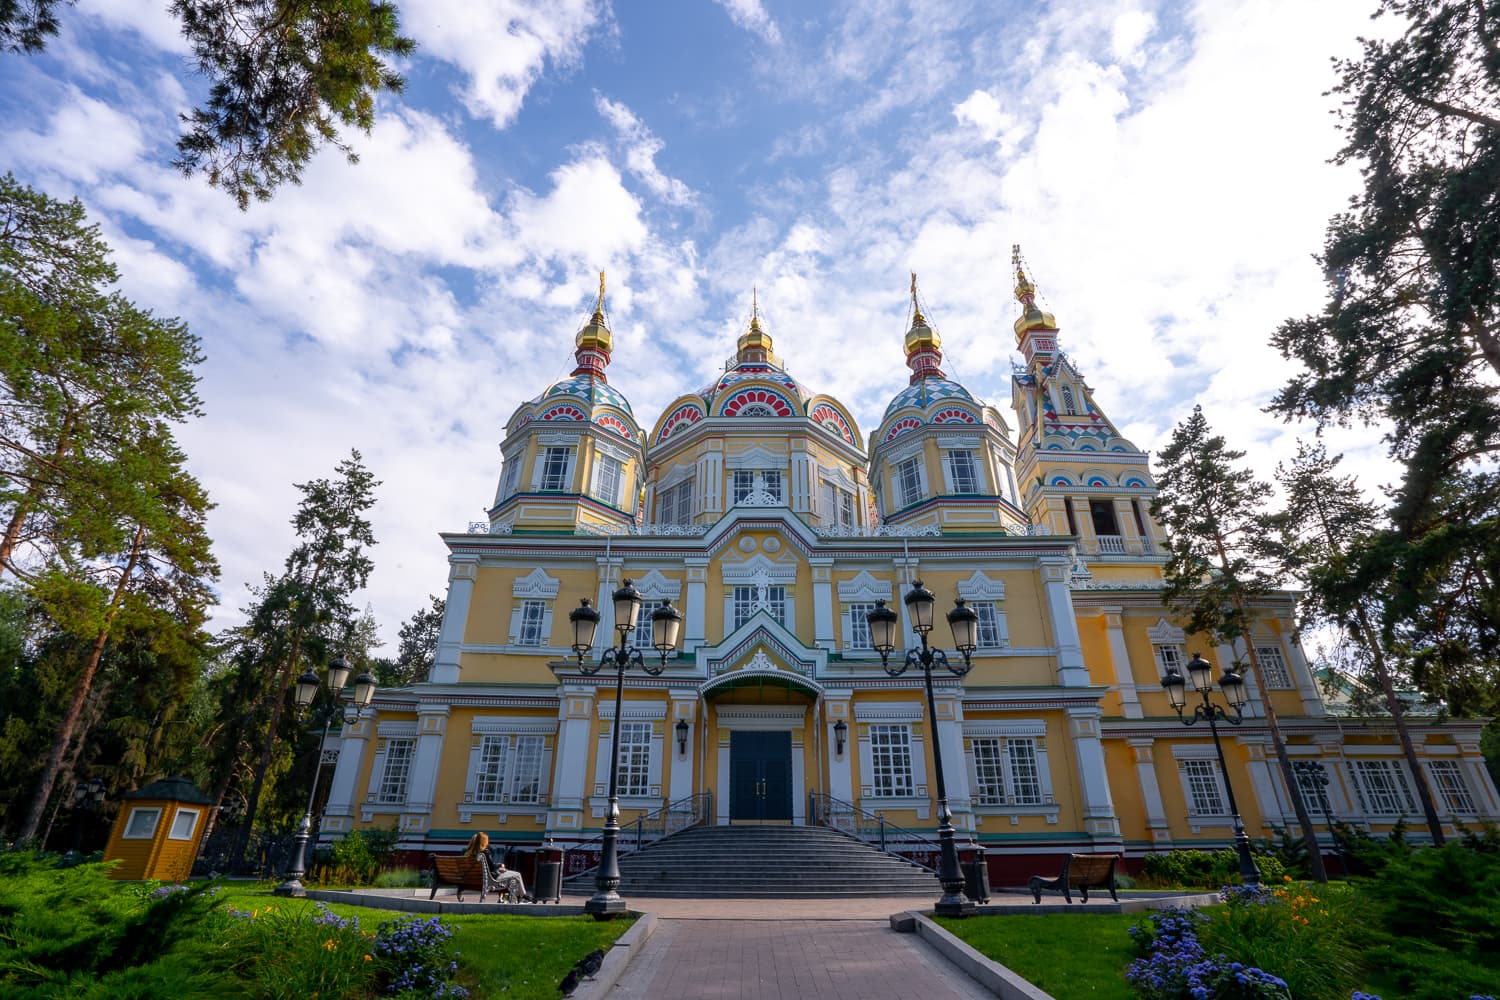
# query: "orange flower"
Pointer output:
{"type": "Point", "coordinates": [367, 958]}
{"type": "Point", "coordinates": [329, 945]}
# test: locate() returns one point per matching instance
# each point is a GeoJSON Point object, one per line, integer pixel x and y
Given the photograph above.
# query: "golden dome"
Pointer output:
{"type": "Point", "coordinates": [595, 333]}
{"type": "Point", "coordinates": [921, 336]}
{"type": "Point", "coordinates": [1034, 317]}
{"type": "Point", "coordinates": [755, 338]}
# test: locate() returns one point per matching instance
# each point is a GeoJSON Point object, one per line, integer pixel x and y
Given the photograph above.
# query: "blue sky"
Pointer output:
{"type": "Point", "coordinates": [1163, 165]}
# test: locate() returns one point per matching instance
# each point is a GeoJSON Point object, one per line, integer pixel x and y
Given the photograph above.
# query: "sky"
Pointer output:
{"type": "Point", "coordinates": [1164, 167]}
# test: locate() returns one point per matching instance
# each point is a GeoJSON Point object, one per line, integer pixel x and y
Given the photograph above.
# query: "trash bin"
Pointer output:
{"type": "Point", "coordinates": [548, 883]}
{"type": "Point", "coordinates": [977, 877]}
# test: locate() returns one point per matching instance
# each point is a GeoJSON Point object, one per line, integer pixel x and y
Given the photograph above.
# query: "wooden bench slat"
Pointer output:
{"type": "Point", "coordinates": [1082, 872]}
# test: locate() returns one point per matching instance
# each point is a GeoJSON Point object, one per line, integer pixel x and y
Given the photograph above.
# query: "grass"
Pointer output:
{"type": "Point", "coordinates": [500, 955]}
{"type": "Point", "coordinates": [1065, 954]}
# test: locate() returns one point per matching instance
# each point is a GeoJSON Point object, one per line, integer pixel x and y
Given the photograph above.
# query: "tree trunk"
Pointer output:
{"type": "Point", "coordinates": [1398, 717]}
{"type": "Point", "coordinates": [69, 722]}
{"type": "Point", "coordinates": [278, 705]}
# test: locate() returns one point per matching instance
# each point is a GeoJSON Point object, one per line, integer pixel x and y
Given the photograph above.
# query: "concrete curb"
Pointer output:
{"type": "Point", "coordinates": [988, 973]}
{"type": "Point", "coordinates": [625, 948]}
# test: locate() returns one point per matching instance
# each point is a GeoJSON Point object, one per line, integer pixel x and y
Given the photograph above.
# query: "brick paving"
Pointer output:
{"type": "Point", "coordinates": [847, 955]}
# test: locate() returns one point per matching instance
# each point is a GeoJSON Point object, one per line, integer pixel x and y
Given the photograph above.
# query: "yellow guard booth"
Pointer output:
{"type": "Point", "coordinates": [157, 831]}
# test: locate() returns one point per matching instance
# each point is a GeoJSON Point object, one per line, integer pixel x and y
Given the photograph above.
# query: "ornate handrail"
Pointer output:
{"type": "Point", "coordinates": [647, 828]}
{"type": "Point", "coordinates": [872, 828]}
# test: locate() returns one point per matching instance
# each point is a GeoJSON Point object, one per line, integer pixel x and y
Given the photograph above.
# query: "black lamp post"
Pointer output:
{"type": "Point", "coordinates": [1201, 673]}
{"type": "Point", "coordinates": [666, 622]}
{"type": "Point", "coordinates": [965, 625]}
{"type": "Point", "coordinates": [307, 690]}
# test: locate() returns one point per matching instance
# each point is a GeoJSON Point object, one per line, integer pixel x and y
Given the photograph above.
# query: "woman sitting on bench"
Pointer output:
{"type": "Point", "coordinates": [509, 882]}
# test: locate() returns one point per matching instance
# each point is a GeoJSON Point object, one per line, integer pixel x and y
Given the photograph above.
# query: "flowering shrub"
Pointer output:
{"type": "Point", "coordinates": [1176, 966]}
{"type": "Point", "coordinates": [415, 957]}
{"type": "Point", "coordinates": [291, 949]}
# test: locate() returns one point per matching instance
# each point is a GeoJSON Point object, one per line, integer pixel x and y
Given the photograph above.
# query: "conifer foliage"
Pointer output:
{"type": "Point", "coordinates": [1216, 516]}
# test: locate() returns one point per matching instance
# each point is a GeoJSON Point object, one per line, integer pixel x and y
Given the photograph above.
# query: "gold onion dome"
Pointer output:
{"type": "Point", "coordinates": [755, 337]}
{"type": "Point", "coordinates": [1034, 317]}
{"type": "Point", "coordinates": [595, 333]}
{"type": "Point", "coordinates": [921, 336]}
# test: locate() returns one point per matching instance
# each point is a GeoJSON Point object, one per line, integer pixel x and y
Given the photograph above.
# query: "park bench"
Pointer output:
{"type": "Point", "coordinates": [1082, 872]}
{"type": "Point", "coordinates": [468, 873]}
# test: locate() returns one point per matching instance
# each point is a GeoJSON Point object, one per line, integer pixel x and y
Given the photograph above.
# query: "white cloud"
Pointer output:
{"type": "Point", "coordinates": [641, 147]}
{"type": "Point", "coordinates": [148, 18]}
{"type": "Point", "coordinates": [588, 216]}
{"type": "Point", "coordinates": [501, 45]}
{"type": "Point", "coordinates": [751, 16]}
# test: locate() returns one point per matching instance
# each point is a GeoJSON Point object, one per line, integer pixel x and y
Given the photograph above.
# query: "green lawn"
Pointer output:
{"type": "Point", "coordinates": [1066, 954]}
{"type": "Point", "coordinates": [500, 955]}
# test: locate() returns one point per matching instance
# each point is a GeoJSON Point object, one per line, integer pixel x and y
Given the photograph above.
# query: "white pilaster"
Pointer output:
{"type": "Point", "coordinates": [684, 706]}
{"type": "Point", "coordinates": [1265, 787]}
{"type": "Point", "coordinates": [1093, 778]}
{"type": "Point", "coordinates": [1307, 686]}
{"type": "Point", "coordinates": [575, 713]}
{"type": "Point", "coordinates": [343, 789]}
{"type": "Point", "coordinates": [1156, 813]}
{"type": "Point", "coordinates": [1071, 671]}
{"type": "Point", "coordinates": [432, 726]}
{"type": "Point", "coordinates": [950, 734]}
{"type": "Point", "coordinates": [694, 611]}
{"type": "Point", "coordinates": [823, 619]}
{"type": "Point", "coordinates": [840, 773]}
{"type": "Point", "coordinates": [462, 569]}
{"type": "Point", "coordinates": [1119, 654]}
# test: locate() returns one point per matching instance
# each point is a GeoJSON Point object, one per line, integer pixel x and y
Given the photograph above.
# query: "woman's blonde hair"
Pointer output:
{"type": "Point", "coordinates": [477, 845]}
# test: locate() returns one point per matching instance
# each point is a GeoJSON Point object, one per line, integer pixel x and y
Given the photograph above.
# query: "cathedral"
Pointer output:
{"type": "Point", "coordinates": [759, 509]}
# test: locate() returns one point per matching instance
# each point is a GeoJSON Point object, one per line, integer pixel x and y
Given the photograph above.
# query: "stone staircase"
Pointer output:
{"type": "Point", "coordinates": [763, 862]}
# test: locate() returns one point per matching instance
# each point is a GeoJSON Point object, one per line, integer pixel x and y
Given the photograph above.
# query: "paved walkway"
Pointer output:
{"type": "Point", "coordinates": [847, 958]}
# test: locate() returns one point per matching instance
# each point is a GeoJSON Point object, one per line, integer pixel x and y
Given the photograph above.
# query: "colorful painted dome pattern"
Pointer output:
{"type": "Point", "coordinates": [926, 391]}
{"type": "Point", "coordinates": [828, 416]}
{"type": "Point", "coordinates": [760, 372]}
{"type": "Point", "coordinates": [592, 389]}
{"type": "Point", "coordinates": [687, 413]}
{"type": "Point", "coordinates": [757, 401]}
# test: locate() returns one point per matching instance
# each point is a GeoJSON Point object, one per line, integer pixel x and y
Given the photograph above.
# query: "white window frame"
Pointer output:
{"type": "Point", "coordinates": [508, 769]}
{"type": "Point", "coordinates": [531, 627]}
{"type": "Point", "coordinates": [634, 750]}
{"type": "Point", "coordinates": [891, 774]}
{"type": "Point", "coordinates": [838, 506]}
{"type": "Point", "coordinates": [609, 479]}
{"type": "Point", "coordinates": [991, 625]}
{"type": "Point", "coordinates": [1380, 782]}
{"type": "Point", "coordinates": [1448, 778]}
{"type": "Point", "coordinates": [142, 823]}
{"type": "Point", "coordinates": [510, 479]}
{"type": "Point", "coordinates": [954, 475]}
{"type": "Point", "coordinates": [1169, 658]}
{"type": "Point", "coordinates": [674, 504]}
{"type": "Point", "coordinates": [857, 627]}
{"type": "Point", "coordinates": [1203, 787]}
{"type": "Point", "coordinates": [1275, 672]}
{"type": "Point", "coordinates": [742, 603]}
{"type": "Point", "coordinates": [189, 814]}
{"type": "Point", "coordinates": [744, 483]}
{"type": "Point", "coordinates": [395, 776]}
{"type": "Point", "coordinates": [552, 478]}
{"type": "Point", "coordinates": [1009, 771]}
{"type": "Point", "coordinates": [641, 638]}
{"type": "Point", "coordinates": [909, 481]}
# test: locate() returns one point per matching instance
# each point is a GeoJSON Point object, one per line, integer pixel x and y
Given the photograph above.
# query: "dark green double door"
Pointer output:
{"type": "Point", "coordinates": [760, 777]}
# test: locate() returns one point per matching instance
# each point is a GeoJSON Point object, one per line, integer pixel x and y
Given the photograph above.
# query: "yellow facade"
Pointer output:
{"type": "Point", "coordinates": [761, 511]}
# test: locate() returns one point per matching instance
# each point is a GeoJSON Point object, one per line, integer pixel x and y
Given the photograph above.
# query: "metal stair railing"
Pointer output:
{"type": "Point", "coordinates": [647, 828]}
{"type": "Point", "coordinates": [872, 828]}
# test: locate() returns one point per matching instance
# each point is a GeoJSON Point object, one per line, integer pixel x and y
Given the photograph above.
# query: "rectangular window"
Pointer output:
{"type": "Point", "coordinates": [744, 484]}
{"type": "Point", "coordinates": [1205, 798]}
{"type": "Point", "coordinates": [1312, 779]}
{"type": "Point", "coordinates": [1102, 513]}
{"type": "Point", "coordinates": [635, 758]}
{"type": "Point", "coordinates": [393, 779]}
{"type": "Point", "coordinates": [512, 476]}
{"type": "Point", "coordinates": [557, 467]}
{"type": "Point", "coordinates": [1008, 771]}
{"type": "Point", "coordinates": [909, 481]}
{"type": "Point", "coordinates": [142, 824]}
{"type": "Point", "coordinates": [533, 615]}
{"type": "Point", "coordinates": [1273, 667]}
{"type": "Point", "coordinates": [771, 483]}
{"type": "Point", "coordinates": [890, 759]}
{"type": "Point", "coordinates": [962, 475]}
{"type": "Point", "coordinates": [990, 635]}
{"type": "Point", "coordinates": [746, 601]}
{"type": "Point", "coordinates": [526, 771]}
{"type": "Point", "coordinates": [1169, 659]}
{"type": "Point", "coordinates": [1072, 521]}
{"type": "Point", "coordinates": [859, 626]}
{"type": "Point", "coordinates": [674, 505]}
{"type": "Point", "coordinates": [1449, 781]}
{"type": "Point", "coordinates": [184, 822]}
{"type": "Point", "coordinates": [641, 638]}
{"type": "Point", "coordinates": [838, 507]}
{"type": "Point", "coordinates": [1382, 788]}
{"type": "Point", "coordinates": [607, 475]}
{"type": "Point", "coordinates": [494, 755]}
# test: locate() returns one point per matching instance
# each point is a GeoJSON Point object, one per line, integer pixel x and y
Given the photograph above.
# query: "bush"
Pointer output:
{"type": "Point", "coordinates": [1175, 966]}
{"type": "Point", "coordinates": [400, 878]}
{"type": "Point", "coordinates": [1206, 870]}
{"type": "Point", "coordinates": [1297, 930]}
{"type": "Point", "coordinates": [287, 950]}
{"type": "Point", "coordinates": [416, 957]}
{"type": "Point", "coordinates": [360, 856]}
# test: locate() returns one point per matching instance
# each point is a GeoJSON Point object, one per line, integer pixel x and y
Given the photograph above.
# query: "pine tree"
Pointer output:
{"type": "Point", "coordinates": [1216, 518]}
{"type": "Point", "coordinates": [303, 611]}
{"type": "Point", "coordinates": [1326, 527]}
{"type": "Point", "coordinates": [418, 638]}
{"type": "Point", "coordinates": [1409, 337]}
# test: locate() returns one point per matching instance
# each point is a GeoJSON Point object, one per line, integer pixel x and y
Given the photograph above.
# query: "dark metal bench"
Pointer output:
{"type": "Point", "coordinates": [1082, 872]}
{"type": "Point", "coordinates": [468, 873]}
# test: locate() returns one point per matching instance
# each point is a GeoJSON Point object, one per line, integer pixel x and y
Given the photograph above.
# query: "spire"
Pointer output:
{"type": "Point", "coordinates": [923, 345]}
{"type": "Point", "coordinates": [594, 341]}
{"type": "Point", "coordinates": [1032, 317]}
{"type": "Point", "coordinates": [754, 344]}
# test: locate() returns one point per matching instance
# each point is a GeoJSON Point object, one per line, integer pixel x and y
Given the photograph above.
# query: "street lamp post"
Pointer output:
{"type": "Point", "coordinates": [666, 622]}
{"type": "Point", "coordinates": [965, 625]}
{"type": "Point", "coordinates": [307, 690]}
{"type": "Point", "coordinates": [1200, 672]}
